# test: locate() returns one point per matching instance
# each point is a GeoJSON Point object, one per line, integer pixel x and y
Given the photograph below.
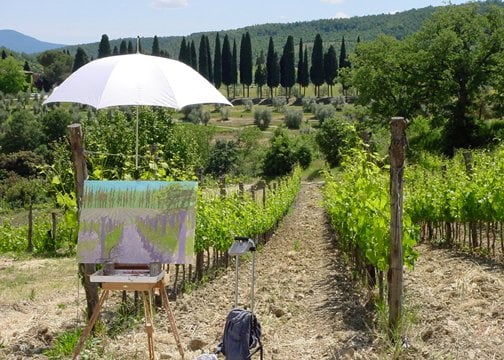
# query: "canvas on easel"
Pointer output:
{"type": "Point", "coordinates": [137, 222]}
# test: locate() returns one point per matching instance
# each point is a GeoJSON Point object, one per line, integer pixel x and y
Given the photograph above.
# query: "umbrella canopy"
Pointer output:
{"type": "Point", "coordinates": [136, 79]}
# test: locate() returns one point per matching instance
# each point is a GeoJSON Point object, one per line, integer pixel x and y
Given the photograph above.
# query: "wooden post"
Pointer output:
{"type": "Point", "coordinates": [76, 139]}
{"type": "Point", "coordinates": [395, 272]}
{"type": "Point", "coordinates": [472, 225]}
{"type": "Point", "coordinates": [30, 228]}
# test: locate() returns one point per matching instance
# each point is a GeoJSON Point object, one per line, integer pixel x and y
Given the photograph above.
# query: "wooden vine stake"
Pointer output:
{"type": "Point", "coordinates": [395, 272]}
{"type": "Point", "coordinates": [76, 139]}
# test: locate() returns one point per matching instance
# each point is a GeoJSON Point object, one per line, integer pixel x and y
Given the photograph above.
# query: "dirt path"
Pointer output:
{"type": "Point", "coordinates": [307, 303]}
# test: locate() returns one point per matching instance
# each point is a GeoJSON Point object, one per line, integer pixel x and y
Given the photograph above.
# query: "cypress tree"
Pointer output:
{"type": "Point", "coordinates": [300, 62]}
{"type": "Point", "coordinates": [26, 66]}
{"type": "Point", "coordinates": [260, 74]}
{"type": "Point", "coordinates": [305, 78]}
{"type": "Point", "coordinates": [209, 59]}
{"type": "Point", "coordinates": [343, 60]}
{"type": "Point", "coordinates": [104, 47]}
{"type": "Point", "coordinates": [194, 56]}
{"type": "Point", "coordinates": [246, 63]}
{"type": "Point", "coordinates": [217, 66]}
{"type": "Point", "coordinates": [234, 68]}
{"type": "Point", "coordinates": [203, 58]}
{"type": "Point", "coordinates": [155, 46]}
{"type": "Point", "coordinates": [4, 54]}
{"type": "Point", "coordinates": [317, 64]}
{"type": "Point", "coordinates": [115, 51]}
{"type": "Point", "coordinates": [130, 47]}
{"type": "Point", "coordinates": [287, 68]}
{"type": "Point", "coordinates": [183, 52]}
{"type": "Point", "coordinates": [272, 67]}
{"type": "Point", "coordinates": [330, 68]}
{"type": "Point", "coordinates": [227, 61]}
{"type": "Point", "coordinates": [80, 59]}
{"type": "Point", "coordinates": [123, 48]}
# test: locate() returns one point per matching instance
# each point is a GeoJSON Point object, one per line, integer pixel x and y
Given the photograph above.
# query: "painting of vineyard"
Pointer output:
{"type": "Point", "coordinates": [137, 222]}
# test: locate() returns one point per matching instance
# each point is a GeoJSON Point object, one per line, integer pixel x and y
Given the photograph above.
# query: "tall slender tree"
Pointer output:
{"type": "Point", "coordinates": [115, 51]}
{"type": "Point", "coordinates": [227, 63]}
{"type": "Point", "coordinates": [287, 67]}
{"type": "Point", "coordinates": [194, 56]}
{"type": "Point", "coordinates": [300, 62]}
{"type": "Point", "coordinates": [343, 58]}
{"type": "Point", "coordinates": [123, 47]}
{"type": "Point", "coordinates": [317, 64]}
{"type": "Point", "coordinates": [260, 74]}
{"type": "Point", "coordinates": [246, 63]}
{"type": "Point", "coordinates": [234, 68]}
{"type": "Point", "coordinates": [272, 67]}
{"type": "Point", "coordinates": [155, 46]}
{"type": "Point", "coordinates": [4, 54]}
{"type": "Point", "coordinates": [80, 59]}
{"type": "Point", "coordinates": [203, 58]}
{"type": "Point", "coordinates": [217, 66]}
{"type": "Point", "coordinates": [209, 59]}
{"type": "Point", "coordinates": [184, 53]}
{"type": "Point", "coordinates": [305, 73]}
{"type": "Point", "coordinates": [104, 49]}
{"type": "Point", "coordinates": [130, 47]}
{"type": "Point", "coordinates": [330, 68]}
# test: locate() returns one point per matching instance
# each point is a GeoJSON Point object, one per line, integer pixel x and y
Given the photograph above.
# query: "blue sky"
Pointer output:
{"type": "Point", "coordinates": [75, 22]}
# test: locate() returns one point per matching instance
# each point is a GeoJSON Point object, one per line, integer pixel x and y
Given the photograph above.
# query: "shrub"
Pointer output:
{"type": "Point", "coordinates": [262, 118]}
{"type": "Point", "coordinates": [224, 113]}
{"type": "Point", "coordinates": [247, 103]}
{"type": "Point", "coordinates": [279, 103]}
{"type": "Point", "coordinates": [323, 112]}
{"type": "Point", "coordinates": [293, 118]}
{"type": "Point", "coordinates": [335, 137]}
{"type": "Point", "coordinates": [307, 103]}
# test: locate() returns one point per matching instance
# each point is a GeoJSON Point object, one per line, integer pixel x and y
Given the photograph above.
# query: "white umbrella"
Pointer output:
{"type": "Point", "coordinates": [136, 79]}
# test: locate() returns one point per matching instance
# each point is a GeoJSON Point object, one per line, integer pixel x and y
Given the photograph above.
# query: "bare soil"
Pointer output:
{"type": "Point", "coordinates": [306, 299]}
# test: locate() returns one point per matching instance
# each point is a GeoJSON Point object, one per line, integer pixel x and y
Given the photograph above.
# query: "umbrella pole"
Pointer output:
{"type": "Point", "coordinates": [136, 140]}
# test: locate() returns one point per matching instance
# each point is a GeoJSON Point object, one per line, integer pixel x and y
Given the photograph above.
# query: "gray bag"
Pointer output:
{"type": "Point", "coordinates": [242, 333]}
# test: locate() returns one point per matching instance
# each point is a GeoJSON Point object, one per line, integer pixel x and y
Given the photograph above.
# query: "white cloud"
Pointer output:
{"type": "Point", "coordinates": [333, 1]}
{"type": "Point", "coordinates": [164, 4]}
{"type": "Point", "coordinates": [341, 15]}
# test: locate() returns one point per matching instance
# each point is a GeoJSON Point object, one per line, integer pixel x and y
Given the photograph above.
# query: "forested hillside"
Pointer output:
{"type": "Point", "coordinates": [332, 30]}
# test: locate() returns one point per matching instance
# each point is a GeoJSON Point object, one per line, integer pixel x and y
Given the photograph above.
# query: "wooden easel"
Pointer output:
{"type": "Point", "coordinates": [147, 290]}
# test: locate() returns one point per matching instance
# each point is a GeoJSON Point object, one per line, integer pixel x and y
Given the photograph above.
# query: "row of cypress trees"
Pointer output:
{"type": "Point", "coordinates": [272, 70]}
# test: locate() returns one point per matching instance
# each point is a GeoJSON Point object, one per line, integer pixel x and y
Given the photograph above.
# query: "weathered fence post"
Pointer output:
{"type": "Point", "coordinates": [76, 139]}
{"type": "Point", "coordinates": [472, 225]}
{"type": "Point", "coordinates": [395, 272]}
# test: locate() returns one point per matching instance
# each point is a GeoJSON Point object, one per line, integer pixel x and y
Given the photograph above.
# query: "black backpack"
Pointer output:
{"type": "Point", "coordinates": [242, 333]}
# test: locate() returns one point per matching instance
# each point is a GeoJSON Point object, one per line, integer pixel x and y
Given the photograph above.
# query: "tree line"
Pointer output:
{"type": "Point", "coordinates": [230, 66]}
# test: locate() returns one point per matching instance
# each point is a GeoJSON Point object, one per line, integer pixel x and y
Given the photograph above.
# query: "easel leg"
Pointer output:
{"type": "Point", "coordinates": [90, 324]}
{"type": "Point", "coordinates": [148, 322]}
{"type": "Point", "coordinates": [171, 319]}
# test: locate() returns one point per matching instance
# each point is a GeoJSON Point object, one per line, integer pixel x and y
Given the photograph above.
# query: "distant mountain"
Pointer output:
{"type": "Point", "coordinates": [19, 42]}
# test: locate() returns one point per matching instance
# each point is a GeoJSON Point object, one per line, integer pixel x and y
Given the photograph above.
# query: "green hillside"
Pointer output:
{"type": "Point", "coordinates": [398, 25]}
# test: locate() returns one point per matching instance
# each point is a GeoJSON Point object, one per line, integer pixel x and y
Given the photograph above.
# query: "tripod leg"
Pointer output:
{"type": "Point", "coordinates": [171, 319]}
{"type": "Point", "coordinates": [90, 324]}
{"type": "Point", "coordinates": [148, 322]}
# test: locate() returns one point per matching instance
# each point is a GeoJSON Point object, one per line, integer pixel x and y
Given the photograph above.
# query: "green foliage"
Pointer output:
{"type": "Point", "coordinates": [223, 158]}
{"type": "Point", "coordinates": [104, 48]}
{"type": "Point", "coordinates": [280, 158]}
{"type": "Point", "coordinates": [12, 78]}
{"type": "Point", "coordinates": [64, 344]}
{"type": "Point", "coordinates": [22, 163]}
{"type": "Point", "coordinates": [293, 118]}
{"type": "Point", "coordinates": [450, 195]}
{"type": "Point", "coordinates": [279, 103]}
{"type": "Point", "coordinates": [335, 138]}
{"type": "Point", "coordinates": [22, 131]}
{"type": "Point", "coordinates": [55, 124]}
{"type": "Point", "coordinates": [57, 66]}
{"type": "Point", "coordinates": [358, 204]}
{"type": "Point", "coordinates": [323, 112]}
{"type": "Point", "coordinates": [219, 219]}
{"type": "Point", "coordinates": [262, 118]}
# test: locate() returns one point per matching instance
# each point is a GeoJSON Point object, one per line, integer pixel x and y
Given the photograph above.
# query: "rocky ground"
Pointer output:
{"type": "Point", "coordinates": [305, 298]}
